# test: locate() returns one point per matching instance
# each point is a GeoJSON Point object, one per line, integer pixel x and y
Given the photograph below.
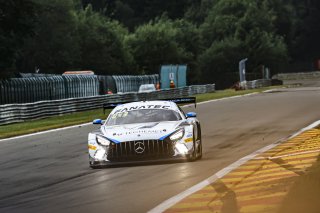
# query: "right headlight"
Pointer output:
{"type": "Point", "coordinates": [178, 135]}
{"type": "Point", "coordinates": [103, 141]}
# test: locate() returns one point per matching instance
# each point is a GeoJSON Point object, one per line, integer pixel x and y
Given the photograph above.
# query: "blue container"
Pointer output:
{"type": "Point", "coordinates": [177, 73]}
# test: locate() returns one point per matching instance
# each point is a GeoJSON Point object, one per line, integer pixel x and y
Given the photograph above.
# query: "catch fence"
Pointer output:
{"type": "Point", "coordinates": [33, 89]}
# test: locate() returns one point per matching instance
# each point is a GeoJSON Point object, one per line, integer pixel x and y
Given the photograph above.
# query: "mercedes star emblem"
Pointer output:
{"type": "Point", "coordinates": [139, 147]}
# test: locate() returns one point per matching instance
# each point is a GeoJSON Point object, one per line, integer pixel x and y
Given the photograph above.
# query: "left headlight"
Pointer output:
{"type": "Point", "coordinates": [178, 135]}
{"type": "Point", "coordinates": [103, 141]}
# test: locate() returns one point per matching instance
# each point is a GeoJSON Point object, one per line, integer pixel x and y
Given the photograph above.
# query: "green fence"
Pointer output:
{"type": "Point", "coordinates": [32, 89]}
{"type": "Point", "coordinates": [131, 83]}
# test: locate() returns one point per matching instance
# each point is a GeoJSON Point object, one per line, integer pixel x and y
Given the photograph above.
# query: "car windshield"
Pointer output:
{"type": "Point", "coordinates": [147, 88]}
{"type": "Point", "coordinates": [143, 116]}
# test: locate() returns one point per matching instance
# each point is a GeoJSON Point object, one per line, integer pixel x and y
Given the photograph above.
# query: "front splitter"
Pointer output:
{"type": "Point", "coordinates": [101, 164]}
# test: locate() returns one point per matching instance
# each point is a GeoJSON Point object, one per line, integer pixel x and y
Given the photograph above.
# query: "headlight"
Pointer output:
{"type": "Point", "coordinates": [182, 149]}
{"type": "Point", "coordinates": [178, 135]}
{"type": "Point", "coordinates": [103, 141]}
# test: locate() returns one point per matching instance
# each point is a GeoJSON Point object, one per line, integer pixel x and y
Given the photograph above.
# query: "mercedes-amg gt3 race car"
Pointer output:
{"type": "Point", "coordinates": [145, 131]}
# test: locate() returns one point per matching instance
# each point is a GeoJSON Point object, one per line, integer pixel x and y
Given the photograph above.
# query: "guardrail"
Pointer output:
{"type": "Point", "coordinates": [297, 76]}
{"type": "Point", "coordinates": [13, 113]}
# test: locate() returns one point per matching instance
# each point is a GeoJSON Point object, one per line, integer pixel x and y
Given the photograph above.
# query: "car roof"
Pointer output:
{"type": "Point", "coordinates": [147, 85]}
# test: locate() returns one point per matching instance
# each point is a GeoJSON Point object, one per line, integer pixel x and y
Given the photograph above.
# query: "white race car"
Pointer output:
{"type": "Point", "coordinates": [145, 131]}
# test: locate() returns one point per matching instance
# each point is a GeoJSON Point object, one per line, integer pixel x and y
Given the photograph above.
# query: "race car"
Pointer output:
{"type": "Point", "coordinates": [145, 131]}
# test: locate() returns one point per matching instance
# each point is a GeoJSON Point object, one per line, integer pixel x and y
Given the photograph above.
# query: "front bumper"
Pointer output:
{"type": "Point", "coordinates": [101, 163]}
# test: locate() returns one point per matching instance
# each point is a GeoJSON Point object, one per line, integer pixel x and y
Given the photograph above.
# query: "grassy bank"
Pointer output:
{"type": "Point", "coordinates": [87, 116]}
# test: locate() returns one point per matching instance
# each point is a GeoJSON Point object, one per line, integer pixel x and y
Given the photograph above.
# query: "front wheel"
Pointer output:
{"type": "Point", "coordinates": [95, 167]}
{"type": "Point", "coordinates": [199, 153]}
{"type": "Point", "coordinates": [193, 156]}
{"type": "Point", "coordinates": [92, 164]}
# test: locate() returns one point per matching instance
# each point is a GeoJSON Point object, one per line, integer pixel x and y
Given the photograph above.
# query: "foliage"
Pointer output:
{"type": "Point", "coordinates": [236, 29]}
{"type": "Point", "coordinates": [220, 59]}
{"type": "Point", "coordinates": [156, 43]}
{"type": "Point", "coordinates": [102, 45]}
{"type": "Point", "coordinates": [51, 49]}
{"type": "Point", "coordinates": [137, 36]}
{"type": "Point", "coordinates": [133, 13]}
{"type": "Point", "coordinates": [17, 19]}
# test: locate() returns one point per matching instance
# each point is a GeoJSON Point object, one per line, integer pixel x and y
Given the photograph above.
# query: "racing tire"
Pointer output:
{"type": "Point", "coordinates": [199, 155]}
{"type": "Point", "coordinates": [199, 151]}
{"type": "Point", "coordinates": [93, 165]}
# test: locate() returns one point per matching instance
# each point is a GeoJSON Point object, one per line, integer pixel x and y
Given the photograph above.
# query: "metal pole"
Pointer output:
{"type": "Point", "coordinates": [242, 69]}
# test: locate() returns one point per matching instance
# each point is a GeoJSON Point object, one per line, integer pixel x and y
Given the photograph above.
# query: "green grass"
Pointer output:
{"type": "Point", "coordinates": [33, 126]}
{"type": "Point", "coordinates": [54, 122]}
{"type": "Point", "coordinates": [227, 93]}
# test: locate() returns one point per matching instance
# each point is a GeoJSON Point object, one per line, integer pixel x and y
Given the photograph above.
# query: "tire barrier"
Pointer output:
{"type": "Point", "coordinates": [13, 113]}
{"type": "Point", "coordinates": [258, 83]}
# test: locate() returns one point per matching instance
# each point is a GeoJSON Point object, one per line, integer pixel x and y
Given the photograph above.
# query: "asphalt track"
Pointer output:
{"type": "Point", "coordinates": [49, 172]}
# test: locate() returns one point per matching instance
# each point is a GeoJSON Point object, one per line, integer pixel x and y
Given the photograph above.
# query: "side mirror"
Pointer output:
{"type": "Point", "coordinates": [98, 121]}
{"type": "Point", "coordinates": [191, 115]}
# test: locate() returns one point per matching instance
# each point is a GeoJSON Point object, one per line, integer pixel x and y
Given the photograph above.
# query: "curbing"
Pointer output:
{"type": "Point", "coordinates": [174, 200]}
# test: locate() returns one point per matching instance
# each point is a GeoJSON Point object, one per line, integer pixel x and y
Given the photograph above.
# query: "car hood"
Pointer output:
{"type": "Point", "coordinates": [142, 131]}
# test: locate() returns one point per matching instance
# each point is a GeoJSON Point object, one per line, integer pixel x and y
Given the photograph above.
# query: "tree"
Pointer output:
{"type": "Point", "coordinates": [156, 43]}
{"type": "Point", "coordinates": [198, 10]}
{"type": "Point", "coordinates": [188, 38]}
{"type": "Point", "coordinates": [306, 30]}
{"type": "Point", "coordinates": [219, 61]}
{"type": "Point", "coordinates": [53, 48]}
{"type": "Point", "coordinates": [101, 43]}
{"type": "Point", "coordinates": [249, 27]}
{"type": "Point", "coordinates": [16, 22]}
{"type": "Point", "coordinates": [133, 13]}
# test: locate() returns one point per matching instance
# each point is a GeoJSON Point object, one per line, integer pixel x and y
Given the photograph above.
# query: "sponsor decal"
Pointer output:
{"type": "Point", "coordinates": [139, 132]}
{"type": "Point", "coordinates": [143, 107]}
{"type": "Point", "coordinates": [92, 147]}
{"type": "Point", "coordinates": [92, 142]}
{"type": "Point", "coordinates": [189, 135]}
{"type": "Point", "coordinates": [188, 140]}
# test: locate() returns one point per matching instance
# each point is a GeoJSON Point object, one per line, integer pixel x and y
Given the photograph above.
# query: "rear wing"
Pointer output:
{"type": "Point", "coordinates": [187, 100]}
{"type": "Point", "coordinates": [112, 106]}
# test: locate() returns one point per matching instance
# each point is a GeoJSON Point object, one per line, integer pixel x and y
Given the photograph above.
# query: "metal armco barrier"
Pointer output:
{"type": "Point", "coordinates": [13, 113]}
{"type": "Point", "coordinates": [297, 76]}
{"type": "Point", "coordinates": [32, 89]}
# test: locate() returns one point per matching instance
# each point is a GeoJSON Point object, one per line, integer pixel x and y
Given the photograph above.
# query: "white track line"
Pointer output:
{"type": "Point", "coordinates": [86, 124]}
{"type": "Point", "coordinates": [44, 132]}
{"type": "Point", "coordinates": [174, 200]}
{"type": "Point", "coordinates": [222, 99]}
